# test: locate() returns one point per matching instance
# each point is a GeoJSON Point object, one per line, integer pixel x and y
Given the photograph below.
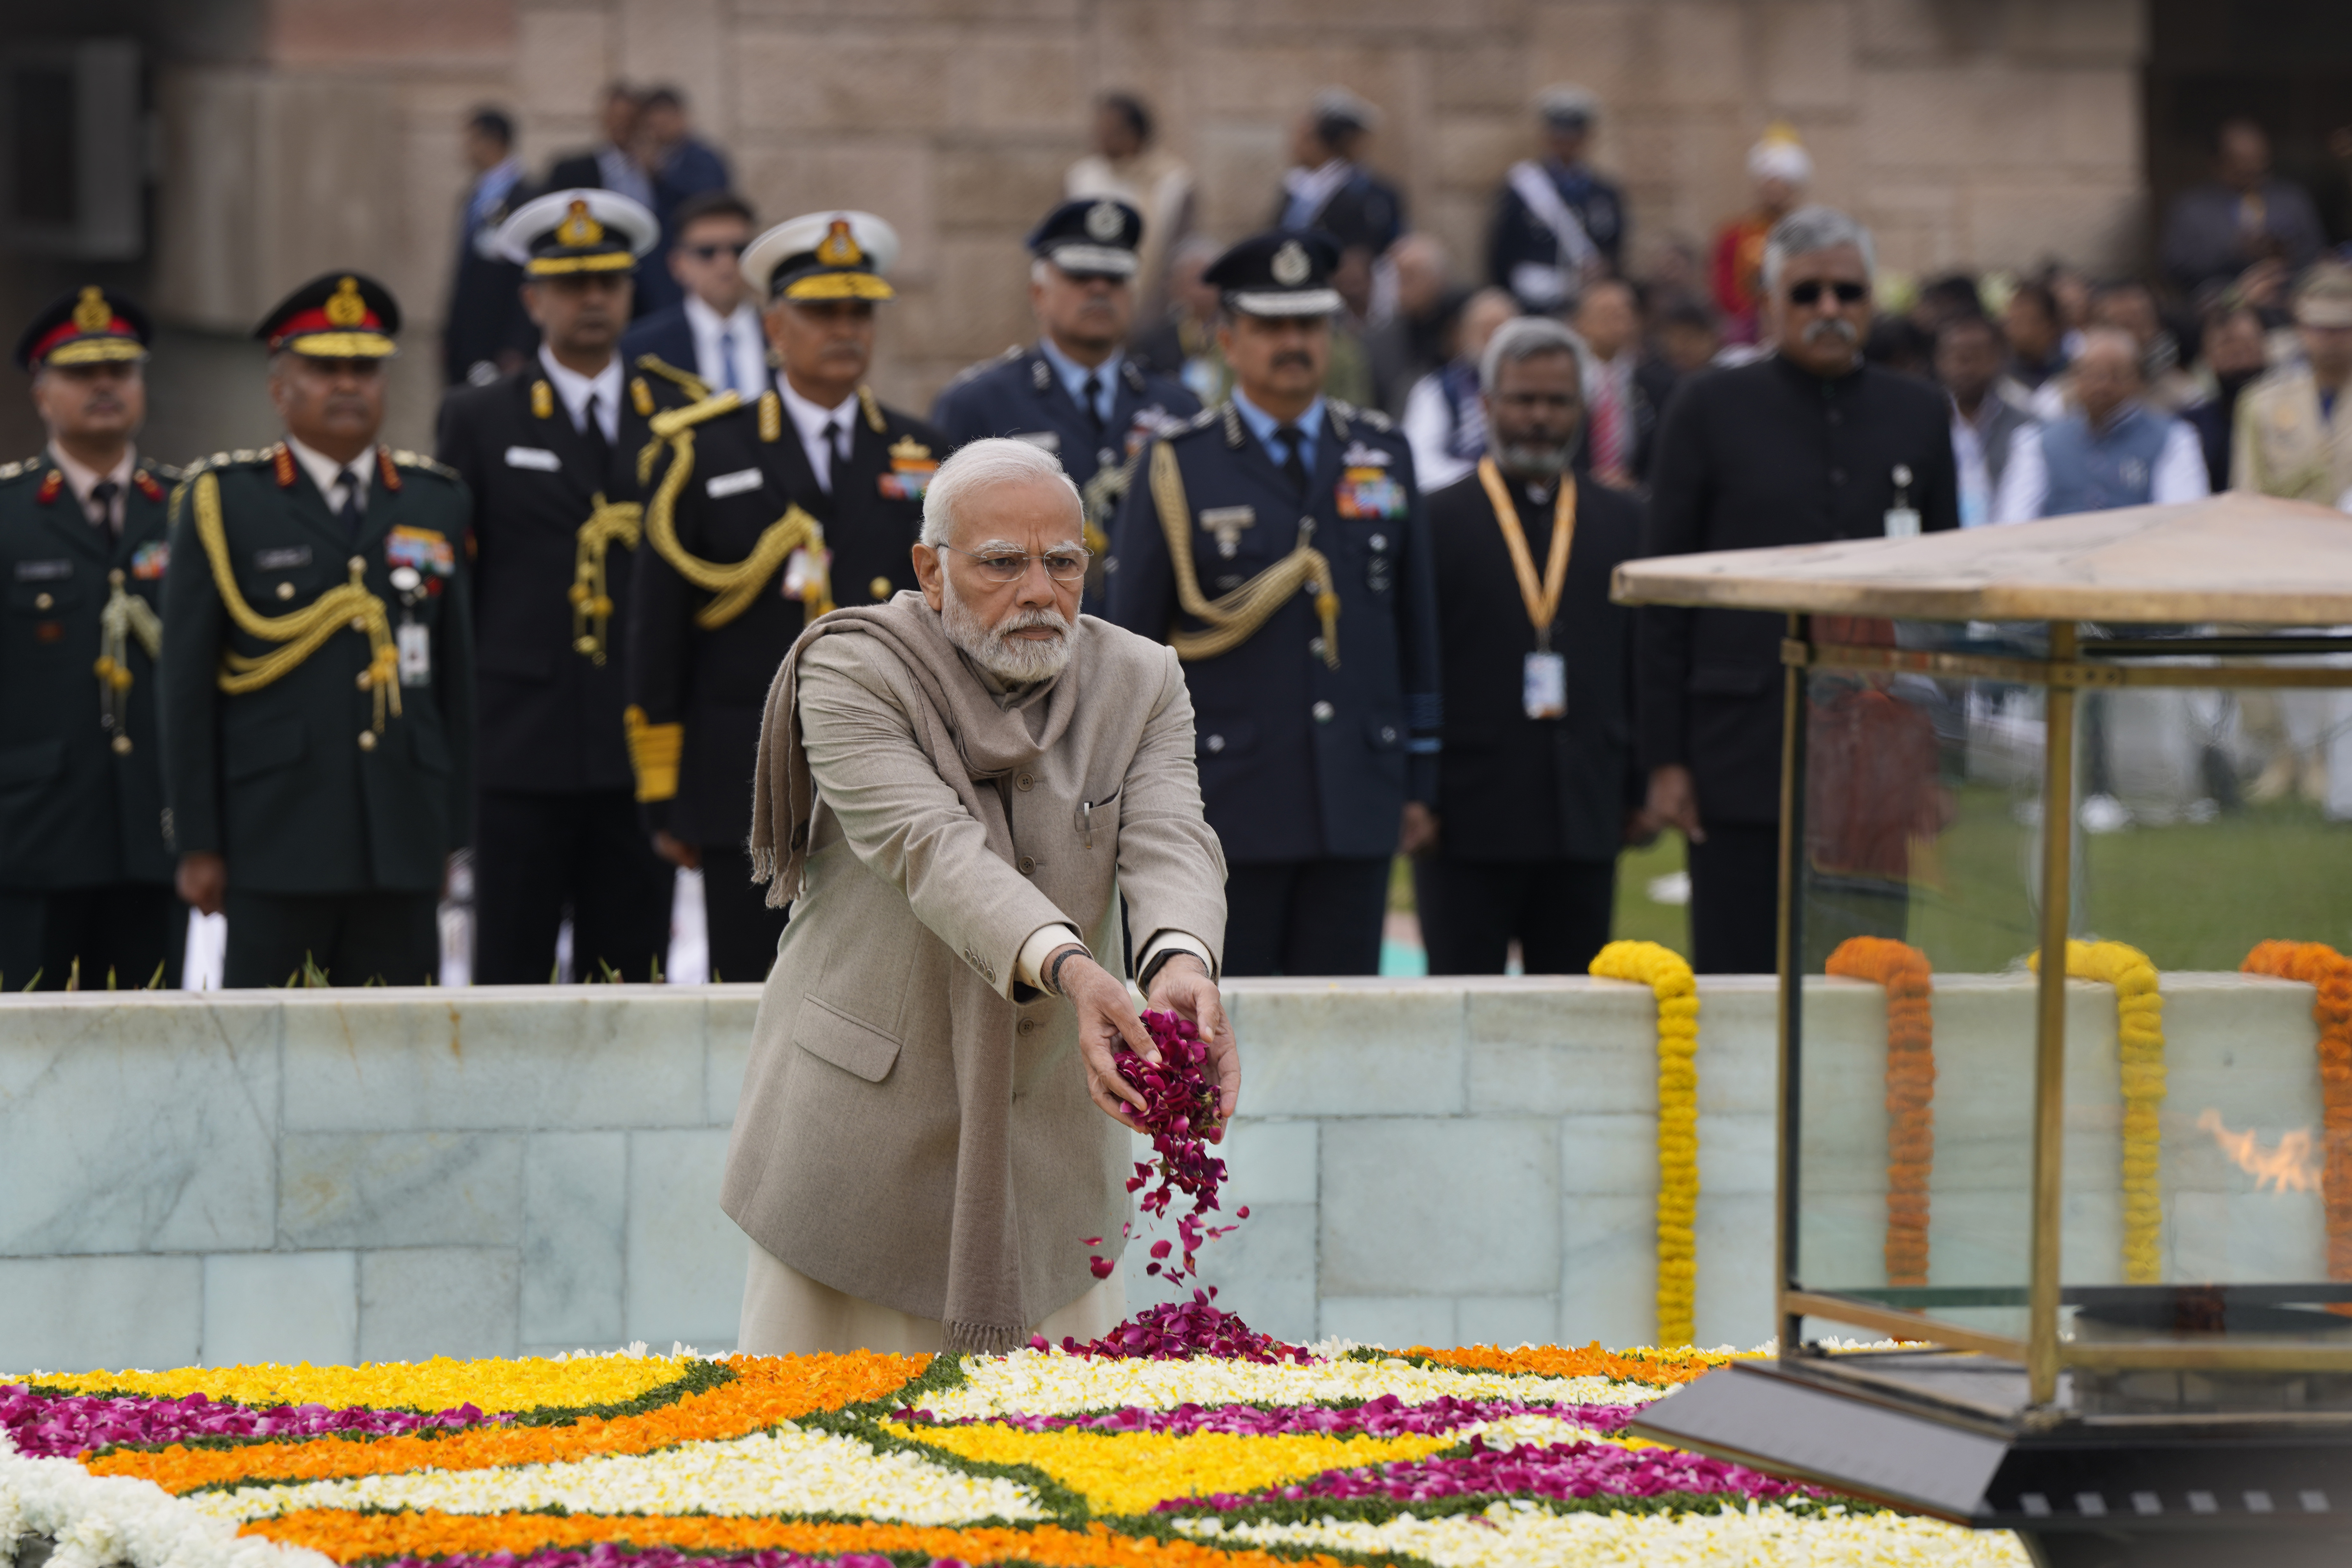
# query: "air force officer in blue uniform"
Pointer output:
{"type": "Point", "coordinates": [1074, 391]}
{"type": "Point", "coordinates": [1277, 542]}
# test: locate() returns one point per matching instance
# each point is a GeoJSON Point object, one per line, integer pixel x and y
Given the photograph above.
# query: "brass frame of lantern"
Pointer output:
{"type": "Point", "coordinates": [2063, 674]}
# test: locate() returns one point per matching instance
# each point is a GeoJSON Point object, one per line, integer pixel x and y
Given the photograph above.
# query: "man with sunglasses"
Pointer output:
{"type": "Point", "coordinates": [1074, 392]}
{"type": "Point", "coordinates": [1805, 445]}
{"type": "Point", "coordinates": [769, 506]}
{"type": "Point", "coordinates": [710, 341]}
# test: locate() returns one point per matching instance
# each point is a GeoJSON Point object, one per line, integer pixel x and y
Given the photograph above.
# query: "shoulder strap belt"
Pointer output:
{"type": "Point", "coordinates": [302, 632]}
{"type": "Point", "coordinates": [1233, 618]}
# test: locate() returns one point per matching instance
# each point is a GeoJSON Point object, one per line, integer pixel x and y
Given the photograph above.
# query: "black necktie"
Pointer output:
{"type": "Point", "coordinates": [1092, 397]}
{"type": "Point", "coordinates": [1294, 464]}
{"type": "Point", "coordinates": [101, 504]}
{"type": "Point", "coordinates": [348, 512]}
{"type": "Point", "coordinates": [593, 426]}
{"type": "Point", "coordinates": [837, 447]}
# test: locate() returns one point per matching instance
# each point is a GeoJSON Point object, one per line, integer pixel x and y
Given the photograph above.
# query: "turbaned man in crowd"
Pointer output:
{"type": "Point", "coordinates": [957, 790]}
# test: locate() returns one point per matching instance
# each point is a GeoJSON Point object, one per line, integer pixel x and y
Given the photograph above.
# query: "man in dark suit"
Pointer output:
{"type": "Point", "coordinates": [1075, 392]}
{"type": "Point", "coordinates": [549, 454]}
{"type": "Point", "coordinates": [85, 877]}
{"type": "Point", "coordinates": [1807, 445]}
{"type": "Point", "coordinates": [486, 334]}
{"type": "Point", "coordinates": [766, 513]}
{"type": "Point", "coordinates": [711, 340]}
{"type": "Point", "coordinates": [1536, 787]}
{"type": "Point", "coordinates": [318, 673]}
{"type": "Point", "coordinates": [1313, 671]}
{"type": "Point", "coordinates": [619, 165]}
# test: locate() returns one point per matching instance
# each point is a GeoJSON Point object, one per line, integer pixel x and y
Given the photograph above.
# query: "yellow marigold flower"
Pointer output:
{"type": "Point", "coordinates": [2140, 1049]}
{"type": "Point", "coordinates": [1668, 977]}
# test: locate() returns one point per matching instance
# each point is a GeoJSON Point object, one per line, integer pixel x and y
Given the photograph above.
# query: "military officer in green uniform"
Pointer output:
{"type": "Point", "coordinates": [85, 893]}
{"type": "Point", "coordinates": [318, 705]}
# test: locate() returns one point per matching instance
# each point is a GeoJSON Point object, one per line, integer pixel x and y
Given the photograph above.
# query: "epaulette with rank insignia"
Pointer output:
{"type": "Point", "coordinates": [1201, 421]}
{"type": "Point", "coordinates": [981, 367]}
{"type": "Point", "coordinates": [164, 472]}
{"type": "Point", "coordinates": [407, 460]}
{"type": "Point", "coordinates": [1349, 411]}
{"type": "Point", "coordinates": [31, 464]}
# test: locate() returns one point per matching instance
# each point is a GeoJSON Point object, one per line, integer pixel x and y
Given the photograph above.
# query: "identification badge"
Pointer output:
{"type": "Point", "coordinates": [1543, 686]}
{"type": "Point", "coordinates": [416, 646]}
{"type": "Point", "coordinates": [801, 574]}
{"type": "Point", "coordinates": [718, 487]}
{"type": "Point", "coordinates": [537, 458]}
{"type": "Point", "coordinates": [1901, 522]}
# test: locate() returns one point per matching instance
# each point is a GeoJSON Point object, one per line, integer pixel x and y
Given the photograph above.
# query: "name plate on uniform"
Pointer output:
{"type": "Point", "coordinates": [1227, 522]}
{"type": "Point", "coordinates": [1051, 440]}
{"type": "Point", "coordinates": [718, 487]}
{"type": "Point", "coordinates": [43, 571]}
{"type": "Point", "coordinates": [281, 559]}
{"type": "Point", "coordinates": [537, 457]}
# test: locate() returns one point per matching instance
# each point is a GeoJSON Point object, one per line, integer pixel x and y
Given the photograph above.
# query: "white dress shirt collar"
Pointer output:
{"type": "Point", "coordinates": [82, 481]}
{"type": "Point", "coordinates": [718, 371]}
{"type": "Point", "coordinates": [811, 421]}
{"type": "Point", "coordinates": [326, 473]}
{"type": "Point", "coordinates": [575, 389]}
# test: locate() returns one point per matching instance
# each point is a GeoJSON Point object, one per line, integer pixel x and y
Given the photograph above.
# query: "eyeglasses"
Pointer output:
{"type": "Point", "coordinates": [1064, 562]}
{"type": "Point", "coordinates": [713, 252]}
{"type": "Point", "coordinates": [1808, 292]}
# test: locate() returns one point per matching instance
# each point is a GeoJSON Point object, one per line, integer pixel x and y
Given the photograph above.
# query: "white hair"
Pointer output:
{"type": "Point", "coordinates": [992, 460]}
{"type": "Point", "coordinates": [1812, 228]}
{"type": "Point", "coordinates": [1523, 338]}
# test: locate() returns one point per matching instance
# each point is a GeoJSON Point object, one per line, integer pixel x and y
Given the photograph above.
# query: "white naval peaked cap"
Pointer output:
{"type": "Point", "coordinates": [580, 231]}
{"type": "Point", "coordinates": [835, 255]}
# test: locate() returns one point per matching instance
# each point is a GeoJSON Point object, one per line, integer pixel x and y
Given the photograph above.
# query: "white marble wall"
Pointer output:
{"type": "Point", "coordinates": [325, 1176]}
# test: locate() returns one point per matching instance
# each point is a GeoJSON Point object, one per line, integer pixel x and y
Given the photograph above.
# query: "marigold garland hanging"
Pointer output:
{"type": "Point", "coordinates": [2329, 974]}
{"type": "Point", "coordinates": [1668, 977]}
{"type": "Point", "coordinates": [1904, 972]}
{"type": "Point", "coordinates": [2139, 1051]}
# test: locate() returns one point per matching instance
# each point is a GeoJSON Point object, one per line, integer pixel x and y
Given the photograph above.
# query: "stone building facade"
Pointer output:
{"type": "Point", "coordinates": [1982, 133]}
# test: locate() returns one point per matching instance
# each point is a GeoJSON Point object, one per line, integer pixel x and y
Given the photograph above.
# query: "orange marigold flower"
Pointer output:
{"type": "Point", "coordinates": [1655, 1367]}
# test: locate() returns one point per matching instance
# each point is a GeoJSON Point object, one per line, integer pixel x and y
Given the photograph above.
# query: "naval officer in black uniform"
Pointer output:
{"type": "Point", "coordinates": [1277, 542]}
{"type": "Point", "coordinates": [318, 673]}
{"type": "Point", "coordinates": [1075, 392]}
{"type": "Point", "coordinates": [85, 878]}
{"type": "Point", "coordinates": [551, 455]}
{"type": "Point", "coordinates": [762, 514]}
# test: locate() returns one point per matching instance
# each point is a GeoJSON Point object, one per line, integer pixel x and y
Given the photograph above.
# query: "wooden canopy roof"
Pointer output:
{"type": "Point", "coordinates": [2230, 557]}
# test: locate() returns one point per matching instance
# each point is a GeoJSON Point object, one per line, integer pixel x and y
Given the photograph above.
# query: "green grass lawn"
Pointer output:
{"type": "Point", "coordinates": [2190, 895]}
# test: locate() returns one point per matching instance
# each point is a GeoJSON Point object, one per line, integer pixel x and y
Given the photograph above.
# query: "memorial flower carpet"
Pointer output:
{"type": "Point", "coordinates": [1335, 1456]}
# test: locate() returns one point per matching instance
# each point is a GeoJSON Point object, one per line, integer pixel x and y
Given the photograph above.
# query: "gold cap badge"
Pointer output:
{"type": "Point", "coordinates": [838, 247]}
{"type": "Point", "coordinates": [92, 312]}
{"type": "Point", "coordinates": [578, 228]}
{"type": "Point", "coordinates": [344, 308]}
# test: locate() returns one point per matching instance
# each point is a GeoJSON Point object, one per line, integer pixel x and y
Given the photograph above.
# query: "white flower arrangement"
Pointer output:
{"type": "Point", "coordinates": [99, 1521]}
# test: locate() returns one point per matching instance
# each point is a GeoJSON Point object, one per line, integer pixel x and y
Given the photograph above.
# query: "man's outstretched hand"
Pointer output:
{"type": "Point", "coordinates": [1182, 986]}
{"type": "Point", "coordinates": [1105, 1017]}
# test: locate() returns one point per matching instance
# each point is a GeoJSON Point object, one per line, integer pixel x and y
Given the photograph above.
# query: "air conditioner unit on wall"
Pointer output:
{"type": "Point", "coordinates": [72, 149]}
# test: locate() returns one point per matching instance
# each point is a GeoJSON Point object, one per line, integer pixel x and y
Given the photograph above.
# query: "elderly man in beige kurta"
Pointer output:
{"type": "Point", "coordinates": [957, 790]}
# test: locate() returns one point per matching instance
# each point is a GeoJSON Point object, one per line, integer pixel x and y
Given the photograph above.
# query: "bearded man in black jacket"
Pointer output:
{"type": "Point", "coordinates": [1806, 445]}
{"type": "Point", "coordinates": [1536, 786]}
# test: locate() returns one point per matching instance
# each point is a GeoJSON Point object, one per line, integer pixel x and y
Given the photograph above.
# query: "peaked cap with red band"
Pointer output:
{"type": "Point", "coordinates": [337, 315]}
{"type": "Point", "coordinates": [89, 326]}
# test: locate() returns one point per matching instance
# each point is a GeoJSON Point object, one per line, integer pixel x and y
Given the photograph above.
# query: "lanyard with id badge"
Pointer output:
{"type": "Point", "coordinates": [1902, 517]}
{"type": "Point", "coordinates": [1543, 675]}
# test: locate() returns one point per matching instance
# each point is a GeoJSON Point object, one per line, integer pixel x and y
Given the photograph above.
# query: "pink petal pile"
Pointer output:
{"type": "Point", "coordinates": [1180, 1108]}
{"type": "Point", "coordinates": [1553, 1470]}
{"type": "Point", "coordinates": [50, 1425]}
{"type": "Point", "coordinates": [606, 1554]}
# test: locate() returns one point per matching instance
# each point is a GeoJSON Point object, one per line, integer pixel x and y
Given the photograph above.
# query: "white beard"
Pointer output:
{"type": "Point", "coordinates": [1019, 661]}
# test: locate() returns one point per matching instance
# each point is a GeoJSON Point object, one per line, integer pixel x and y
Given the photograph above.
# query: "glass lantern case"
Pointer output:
{"type": "Point", "coordinates": [2065, 1092]}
